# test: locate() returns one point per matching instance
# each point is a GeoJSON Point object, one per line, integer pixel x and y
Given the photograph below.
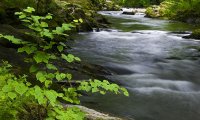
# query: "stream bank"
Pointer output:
{"type": "Point", "coordinates": [184, 11]}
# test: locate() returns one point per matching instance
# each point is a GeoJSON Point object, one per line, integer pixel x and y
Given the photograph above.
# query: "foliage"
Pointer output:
{"type": "Point", "coordinates": [153, 11]}
{"type": "Point", "coordinates": [42, 55]}
{"type": "Point", "coordinates": [15, 3]}
{"type": "Point", "coordinates": [138, 3]}
{"type": "Point", "coordinates": [179, 9]}
{"type": "Point", "coordinates": [195, 34]}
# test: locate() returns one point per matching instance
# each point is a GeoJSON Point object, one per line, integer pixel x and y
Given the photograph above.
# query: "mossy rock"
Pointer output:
{"type": "Point", "coordinates": [195, 35]}
{"type": "Point", "coordinates": [153, 11]}
{"type": "Point", "coordinates": [128, 13]}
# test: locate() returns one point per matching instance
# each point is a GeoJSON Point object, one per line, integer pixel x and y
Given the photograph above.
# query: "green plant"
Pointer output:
{"type": "Point", "coordinates": [42, 55]}
{"type": "Point", "coordinates": [180, 9]}
{"type": "Point", "coordinates": [138, 3]}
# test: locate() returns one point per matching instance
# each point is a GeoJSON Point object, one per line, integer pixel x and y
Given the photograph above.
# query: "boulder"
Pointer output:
{"type": "Point", "coordinates": [153, 11]}
{"type": "Point", "coordinates": [128, 13]}
{"type": "Point", "coordinates": [195, 35]}
{"type": "Point", "coordinates": [94, 115]}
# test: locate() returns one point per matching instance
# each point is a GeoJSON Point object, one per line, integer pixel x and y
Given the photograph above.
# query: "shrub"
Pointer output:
{"type": "Point", "coordinates": [42, 55]}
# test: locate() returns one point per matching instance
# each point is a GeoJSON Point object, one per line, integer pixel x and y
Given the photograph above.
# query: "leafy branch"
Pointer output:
{"type": "Point", "coordinates": [45, 52]}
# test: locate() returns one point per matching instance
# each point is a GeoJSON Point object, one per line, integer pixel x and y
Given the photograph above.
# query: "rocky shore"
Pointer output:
{"type": "Point", "coordinates": [95, 115]}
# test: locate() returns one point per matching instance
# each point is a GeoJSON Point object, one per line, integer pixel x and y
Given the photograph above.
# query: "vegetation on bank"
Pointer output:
{"type": "Point", "coordinates": [62, 10]}
{"type": "Point", "coordinates": [138, 3]}
{"type": "Point", "coordinates": [180, 10]}
{"type": "Point", "coordinates": [38, 94]}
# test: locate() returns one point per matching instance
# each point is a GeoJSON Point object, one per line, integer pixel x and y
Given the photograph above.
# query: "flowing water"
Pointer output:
{"type": "Point", "coordinates": [138, 50]}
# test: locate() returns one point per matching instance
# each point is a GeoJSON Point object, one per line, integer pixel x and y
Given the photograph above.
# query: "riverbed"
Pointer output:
{"type": "Point", "coordinates": [140, 52]}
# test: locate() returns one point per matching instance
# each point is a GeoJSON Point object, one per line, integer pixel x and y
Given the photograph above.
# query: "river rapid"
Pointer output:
{"type": "Point", "coordinates": [141, 52]}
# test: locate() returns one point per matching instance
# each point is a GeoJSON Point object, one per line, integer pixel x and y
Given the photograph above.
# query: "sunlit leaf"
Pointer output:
{"type": "Point", "coordinates": [81, 20]}
{"type": "Point", "coordinates": [76, 21]}
{"type": "Point", "coordinates": [69, 58]}
{"type": "Point", "coordinates": [44, 24]}
{"type": "Point", "coordinates": [29, 9]}
{"type": "Point", "coordinates": [27, 49]}
{"type": "Point", "coordinates": [41, 57]}
{"type": "Point", "coordinates": [12, 95]}
{"type": "Point", "coordinates": [21, 88]}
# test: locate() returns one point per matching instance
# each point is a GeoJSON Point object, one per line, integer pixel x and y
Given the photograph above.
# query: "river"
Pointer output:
{"type": "Point", "coordinates": [140, 51]}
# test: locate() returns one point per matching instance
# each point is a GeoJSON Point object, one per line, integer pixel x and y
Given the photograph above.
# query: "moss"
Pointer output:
{"type": "Point", "coordinates": [153, 11]}
{"type": "Point", "coordinates": [18, 3]}
{"type": "Point", "coordinates": [196, 34]}
{"type": "Point", "coordinates": [177, 10]}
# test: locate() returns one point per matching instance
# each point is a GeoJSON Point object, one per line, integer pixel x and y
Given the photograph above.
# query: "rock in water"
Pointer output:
{"type": "Point", "coordinates": [128, 13]}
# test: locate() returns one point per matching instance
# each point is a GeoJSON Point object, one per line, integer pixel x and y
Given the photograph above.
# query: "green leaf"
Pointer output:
{"type": "Point", "coordinates": [103, 92]}
{"type": "Point", "coordinates": [28, 84]}
{"type": "Point", "coordinates": [41, 57]}
{"type": "Point", "coordinates": [49, 16]}
{"type": "Point", "coordinates": [47, 33]}
{"type": "Point", "coordinates": [50, 75]}
{"type": "Point", "coordinates": [44, 24]}
{"type": "Point", "coordinates": [52, 56]}
{"type": "Point", "coordinates": [84, 86]}
{"type": "Point", "coordinates": [1, 35]}
{"type": "Point", "coordinates": [39, 95]}
{"type": "Point", "coordinates": [33, 68]}
{"type": "Point", "coordinates": [22, 16]}
{"type": "Point", "coordinates": [69, 58]}
{"type": "Point", "coordinates": [29, 10]}
{"type": "Point", "coordinates": [21, 88]}
{"type": "Point", "coordinates": [124, 90]}
{"type": "Point", "coordinates": [51, 96]}
{"type": "Point", "coordinates": [27, 21]}
{"type": "Point", "coordinates": [63, 44]}
{"type": "Point", "coordinates": [69, 76]}
{"type": "Point", "coordinates": [60, 76]}
{"type": "Point", "coordinates": [51, 66]}
{"type": "Point", "coordinates": [7, 88]}
{"type": "Point", "coordinates": [76, 21]}
{"type": "Point", "coordinates": [28, 49]}
{"type": "Point", "coordinates": [49, 45]}
{"type": "Point", "coordinates": [95, 89]}
{"type": "Point", "coordinates": [13, 39]}
{"type": "Point", "coordinates": [35, 19]}
{"type": "Point", "coordinates": [66, 26]}
{"type": "Point", "coordinates": [12, 95]}
{"type": "Point", "coordinates": [60, 48]}
{"type": "Point", "coordinates": [47, 83]}
{"type": "Point", "coordinates": [59, 31]}
{"type": "Point", "coordinates": [77, 59]}
{"type": "Point", "coordinates": [41, 76]}
{"type": "Point", "coordinates": [18, 13]}
{"type": "Point", "coordinates": [81, 20]}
